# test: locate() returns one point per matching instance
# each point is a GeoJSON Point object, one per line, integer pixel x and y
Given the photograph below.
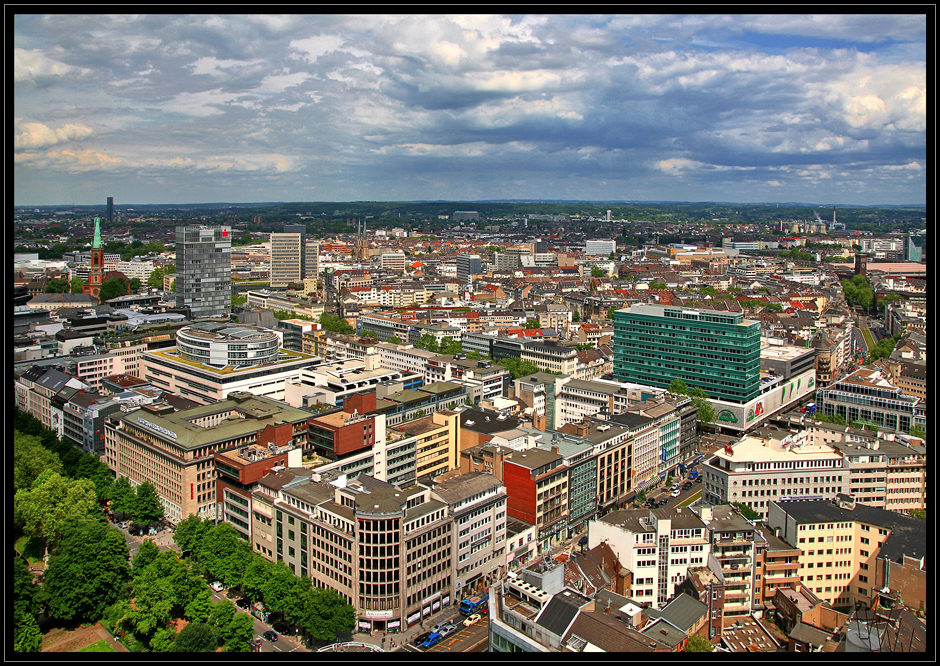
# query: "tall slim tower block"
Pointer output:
{"type": "Point", "coordinates": [287, 266]}
{"type": "Point", "coordinates": [110, 209]}
{"type": "Point", "coordinates": [204, 270]}
{"type": "Point", "coordinates": [302, 230]}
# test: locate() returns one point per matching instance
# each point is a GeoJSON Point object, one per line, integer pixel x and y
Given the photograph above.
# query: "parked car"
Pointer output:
{"type": "Point", "coordinates": [440, 625]}
{"type": "Point", "coordinates": [472, 620]}
{"type": "Point", "coordinates": [281, 628]}
{"type": "Point", "coordinates": [244, 604]}
{"type": "Point", "coordinates": [421, 638]}
{"type": "Point", "coordinates": [686, 485]}
{"type": "Point", "coordinates": [676, 492]}
{"type": "Point", "coordinates": [664, 501]}
{"type": "Point", "coordinates": [217, 586]}
{"type": "Point", "coordinates": [432, 640]}
{"type": "Point", "coordinates": [448, 630]}
{"type": "Point", "coordinates": [270, 636]}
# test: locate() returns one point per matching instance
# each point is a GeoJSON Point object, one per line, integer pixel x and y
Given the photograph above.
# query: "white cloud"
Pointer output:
{"type": "Point", "coordinates": [205, 103]}
{"type": "Point", "coordinates": [36, 135]}
{"type": "Point", "coordinates": [314, 47]}
{"type": "Point", "coordinates": [34, 64]}
{"type": "Point", "coordinates": [214, 66]}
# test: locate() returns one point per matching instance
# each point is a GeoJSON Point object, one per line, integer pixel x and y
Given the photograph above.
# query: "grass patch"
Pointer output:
{"type": "Point", "coordinates": [99, 646]}
{"type": "Point", "coordinates": [32, 549]}
{"type": "Point", "coordinates": [695, 497]}
{"type": "Point", "coordinates": [869, 338]}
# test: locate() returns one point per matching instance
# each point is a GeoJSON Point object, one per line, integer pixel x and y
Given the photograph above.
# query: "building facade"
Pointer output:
{"type": "Point", "coordinates": [287, 259]}
{"type": "Point", "coordinates": [204, 270]}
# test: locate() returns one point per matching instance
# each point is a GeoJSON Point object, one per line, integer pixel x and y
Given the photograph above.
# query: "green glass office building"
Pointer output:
{"type": "Point", "coordinates": [718, 352]}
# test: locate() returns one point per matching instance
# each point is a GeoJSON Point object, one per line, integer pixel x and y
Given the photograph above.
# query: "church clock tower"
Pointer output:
{"type": "Point", "coordinates": [96, 265]}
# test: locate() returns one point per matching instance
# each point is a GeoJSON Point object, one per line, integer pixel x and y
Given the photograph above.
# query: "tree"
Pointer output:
{"type": "Point", "coordinates": [335, 324]}
{"type": "Point", "coordinates": [195, 637]}
{"type": "Point", "coordinates": [146, 554]}
{"type": "Point", "coordinates": [88, 571]}
{"type": "Point", "coordinates": [239, 300]}
{"type": "Point", "coordinates": [190, 533]}
{"type": "Point", "coordinates": [835, 418]}
{"type": "Point", "coordinates": [324, 614]}
{"type": "Point", "coordinates": [518, 367]}
{"type": "Point", "coordinates": [163, 640]}
{"type": "Point", "coordinates": [200, 608]}
{"type": "Point", "coordinates": [450, 346]}
{"type": "Point", "coordinates": [90, 467]}
{"type": "Point", "coordinates": [51, 504]}
{"type": "Point", "coordinates": [575, 316]}
{"type": "Point", "coordinates": [146, 507]}
{"type": "Point", "coordinates": [919, 513]}
{"type": "Point", "coordinates": [611, 311]}
{"type": "Point", "coordinates": [122, 496]}
{"type": "Point", "coordinates": [185, 577]}
{"type": "Point", "coordinates": [57, 286]}
{"type": "Point", "coordinates": [678, 387]}
{"type": "Point", "coordinates": [173, 285]}
{"type": "Point", "coordinates": [658, 285]}
{"type": "Point", "coordinates": [156, 278]}
{"type": "Point", "coordinates": [25, 591]}
{"type": "Point", "coordinates": [225, 554]}
{"type": "Point", "coordinates": [698, 644]}
{"type": "Point", "coordinates": [239, 633]}
{"type": "Point", "coordinates": [153, 602]}
{"type": "Point", "coordinates": [256, 576]}
{"type": "Point", "coordinates": [30, 459]}
{"type": "Point", "coordinates": [705, 412]}
{"type": "Point", "coordinates": [746, 511]}
{"type": "Point", "coordinates": [112, 289]}
{"type": "Point", "coordinates": [597, 272]}
{"type": "Point", "coordinates": [918, 431]}
{"type": "Point", "coordinates": [77, 285]}
{"type": "Point", "coordinates": [429, 342]}
{"type": "Point", "coordinates": [395, 340]}
{"type": "Point", "coordinates": [135, 285]}
{"type": "Point", "coordinates": [532, 324]}
{"type": "Point", "coordinates": [641, 496]}
{"type": "Point", "coordinates": [27, 637]}
{"type": "Point", "coordinates": [278, 588]}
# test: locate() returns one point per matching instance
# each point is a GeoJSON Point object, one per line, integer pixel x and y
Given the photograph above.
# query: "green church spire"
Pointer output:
{"type": "Point", "coordinates": [97, 241]}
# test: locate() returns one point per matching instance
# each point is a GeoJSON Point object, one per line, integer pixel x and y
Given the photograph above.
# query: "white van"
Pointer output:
{"type": "Point", "coordinates": [217, 586]}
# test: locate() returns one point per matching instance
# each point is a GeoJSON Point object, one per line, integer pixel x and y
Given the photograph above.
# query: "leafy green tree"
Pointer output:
{"type": "Point", "coordinates": [184, 575]}
{"type": "Point", "coordinates": [532, 324]}
{"type": "Point", "coordinates": [112, 289]}
{"type": "Point", "coordinates": [705, 412]}
{"type": "Point", "coordinates": [335, 324]}
{"type": "Point", "coordinates": [325, 614]}
{"type": "Point", "coordinates": [835, 418]}
{"type": "Point", "coordinates": [239, 633]}
{"type": "Point", "coordinates": [395, 340]}
{"type": "Point", "coordinates": [147, 507]}
{"type": "Point", "coordinates": [239, 300]}
{"type": "Point", "coordinates": [156, 278]}
{"type": "Point", "coordinates": [122, 496]}
{"type": "Point", "coordinates": [190, 533]}
{"type": "Point", "coordinates": [77, 285]}
{"type": "Point", "coordinates": [518, 367]}
{"type": "Point", "coordinates": [597, 272]}
{"type": "Point", "coordinates": [919, 513]}
{"type": "Point", "coordinates": [145, 556]}
{"type": "Point", "coordinates": [25, 591]}
{"type": "Point", "coordinates": [30, 459]}
{"type": "Point", "coordinates": [429, 342]}
{"type": "Point", "coordinates": [611, 311]}
{"type": "Point", "coordinates": [698, 644]}
{"type": "Point", "coordinates": [658, 285]}
{"type": "Point", "coordinates": [53, 502]}
{"type": "Point", "coordinates": [57, 286]}
{"type": "Point", "coordinates": [256, 577]}
{"type": "Point", "coordinates": [575, 316]}
{"type": "Point", "coordinates": [135, 285]}
{"type": "Point", "coordinates": [163, 639]}
{"type": "Point", "coordinates": [195, 637]}
{"type": "Point", "coordinates": [746, 511]}
{"type": "Point", "coordinates": [200, 608]}
{"type": "Point", "coordinates": [918, 431]}
{"type": "Point", "coordinates": [88, 571]}
{"type": "Point", "coordinates": [221, 617]}
{"type": "Point", "coordinates": [278, 588]}
{"type": "Point", "coordinates": [450, 346]}
{"type": "Point", "coordinates": [27, 637]}
{"type": "Point", "coordinates": [641, 496]}
{"type": "Point", "coordinates": [90, 467]}
{"type": "Point", "coordinates": [678, 387]}
{"type": "Point", "coordinates": [153, 602]}
{"type": "Point", "coordinates": [225, 554]}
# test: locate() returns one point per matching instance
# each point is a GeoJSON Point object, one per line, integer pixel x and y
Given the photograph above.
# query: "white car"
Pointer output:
{"type": "Point", "coordinates": [217, 586]}
{"type": "Point", "coordinates": [675, 493]}
{"type": "Point", "coordinates": [472, 620]}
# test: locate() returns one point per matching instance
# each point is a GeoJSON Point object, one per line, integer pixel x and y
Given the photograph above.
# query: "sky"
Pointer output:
{"type": "Point", "coordinates": [206, 108]}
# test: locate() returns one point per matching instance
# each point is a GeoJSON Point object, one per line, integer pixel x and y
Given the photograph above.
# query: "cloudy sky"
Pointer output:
{"type": "Point", "coordinates": [188, 109]}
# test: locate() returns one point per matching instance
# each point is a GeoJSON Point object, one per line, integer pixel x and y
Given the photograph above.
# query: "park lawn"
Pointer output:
{"type": "Point", "coordinates": [30, 548]}
{"type": "Point", "coordinates": [98, 646]}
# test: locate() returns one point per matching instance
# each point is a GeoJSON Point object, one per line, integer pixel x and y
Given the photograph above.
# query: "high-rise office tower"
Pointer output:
{"type": "Point", "coordinates": [467, 265]}
{"type": "Point", "coordinates": [204, 270]}
{"type": "Point", "coordinates": [287, 250]}
{"type": "Point", "coordinates": [110, 209]}
{"type": "Point", "coordinates": [312, 261]}
{"type": "Point", "coordinates": [718, 352]}
{"type": "Point", "coordinates": [604, 247]}
{"type": "Point", "coordinates": [302, 230]}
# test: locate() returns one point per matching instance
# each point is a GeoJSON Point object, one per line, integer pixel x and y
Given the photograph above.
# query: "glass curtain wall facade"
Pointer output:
{"type": "Point", "coordinates": [204, 270]}
{"type": "Point", "coordinates": [718, 352]}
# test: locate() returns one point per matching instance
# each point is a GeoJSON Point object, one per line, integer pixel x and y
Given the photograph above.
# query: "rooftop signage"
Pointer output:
{"type": "Point", "coordinates": [153, 426]}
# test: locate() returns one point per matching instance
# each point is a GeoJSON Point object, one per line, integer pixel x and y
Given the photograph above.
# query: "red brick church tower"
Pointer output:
{"type": "Point", "coordinates": [96, 265]}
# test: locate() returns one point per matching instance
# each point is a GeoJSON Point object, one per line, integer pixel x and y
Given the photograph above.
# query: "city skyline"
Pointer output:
{"type": "Point", "coordinates": [191, 109]}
